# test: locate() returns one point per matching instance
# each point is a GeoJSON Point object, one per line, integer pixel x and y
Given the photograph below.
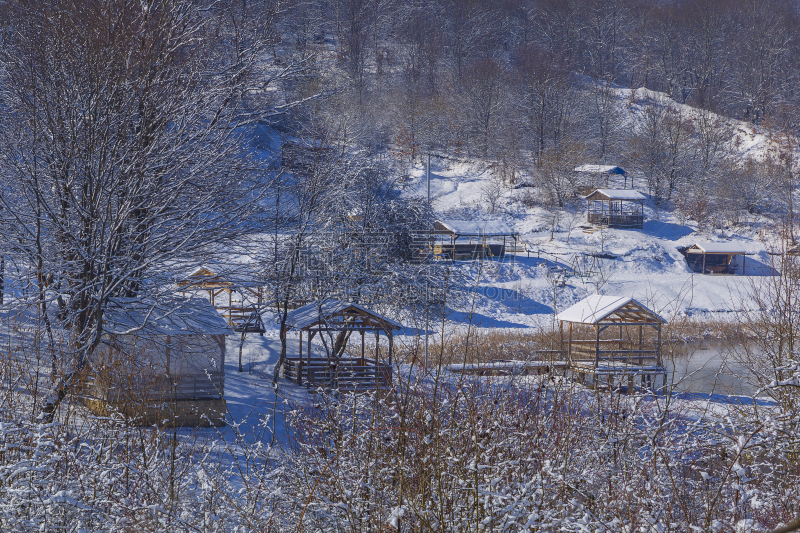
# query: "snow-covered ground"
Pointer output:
{"type": "Point", "coordinates": [526, 289]}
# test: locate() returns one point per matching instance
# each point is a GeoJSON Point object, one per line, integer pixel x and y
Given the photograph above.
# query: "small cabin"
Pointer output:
{"type": "Point", "coordinates": [472, 239]}
{"type": "Point", "coordinates": [611, 339]}
{"type": "Point", "coordinates": [715, 257]}
{"type": "Point", "coordinates": [616, 208]}
{"type": "Point", "coordinates": [160, 362]}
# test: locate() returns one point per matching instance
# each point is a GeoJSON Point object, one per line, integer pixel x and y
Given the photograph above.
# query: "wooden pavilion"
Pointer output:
{"type": "Point", "coordinates": [616, 208]}
{"type": "Point", "coordinates": [605, 341]}
{"type": "Point", "coordinates": [335, 321]}
{"type": "Point", "coordinates": [483, 239]}
{"type": "Point", "coordinates": [714, 257]}
{"type": "Point", "coordinates": [237, 295]}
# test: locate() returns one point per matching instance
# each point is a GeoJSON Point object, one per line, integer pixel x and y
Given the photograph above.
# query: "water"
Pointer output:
{"type": "Point", "coordinates": [706, 367]}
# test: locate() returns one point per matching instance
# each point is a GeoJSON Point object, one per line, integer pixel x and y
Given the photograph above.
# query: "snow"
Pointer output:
{"type": "Point", "coordinates": [595, 308]}
{"type": "Point", "coordinates": [189, 316]}
{"type": "Point", "coordinates": [480, 228]}
{"type": "Point", "coordinates": [620, 194]}
{"type": "Point", "coordinates": [600, 169]}
{"type": "Point", "coordinates": [719, 248]}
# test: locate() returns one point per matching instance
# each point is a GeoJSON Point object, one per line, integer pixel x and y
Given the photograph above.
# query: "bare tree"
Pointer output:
{"type": "Point", "coordinates": [120, 147]}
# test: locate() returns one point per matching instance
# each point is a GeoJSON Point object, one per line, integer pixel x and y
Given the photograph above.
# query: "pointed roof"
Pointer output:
{"type": "Point", "coordinates": [617, 309]}
{"type": "Point", "coordinates": [338, 315]}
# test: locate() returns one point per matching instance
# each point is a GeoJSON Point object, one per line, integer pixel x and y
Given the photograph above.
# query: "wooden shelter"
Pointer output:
{"type": "Point", "coordinates": [605, 341]}
{"type": "Point", "coordinates": [714, 257]}
{"type": "Point", "coordinates": [332, 368]}
{"type": "Point", "coordinates": [160, 361]}
{"type": "Point", "coordinates": [616, 208]}
{"type": "Point", "coordinates": [483, 239]}
{"type": "Point", "coordinates": [237, 295]}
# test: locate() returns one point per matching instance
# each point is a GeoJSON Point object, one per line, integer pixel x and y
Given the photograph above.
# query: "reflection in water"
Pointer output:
{"type": "Point", "coordinates": [706, 367]}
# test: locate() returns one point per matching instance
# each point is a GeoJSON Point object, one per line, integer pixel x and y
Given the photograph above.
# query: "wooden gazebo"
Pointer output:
{"type": "Point", "coordinates": [616, 208]}
{"type": "Point", "coordinates": [335, 321]}
{"type": "Point", "coordinates": [236, 294]}
{"type": "Point", "coordinates": [605, 341]}
{"type": "Point", "coordinates": [714, 257]}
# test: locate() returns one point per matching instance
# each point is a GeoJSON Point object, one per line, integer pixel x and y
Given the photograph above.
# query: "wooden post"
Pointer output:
{"type": "Point", "coordinates": [597, 348]}
{"type": "Point", "coordinates": [391, 343]}
{"type": "Point", "coordinates": [744, 258]}
{"type": "Point", "coordinates": [569, 345]}
{"type": "Point", "coordinates": [658, 350]}
{"type": "Point", "coordinates": [641, 342]}
{"type": "Point", "coordinates": [362, 347]}
{"type": "Point", "coordinates": [704, 263]}
{"type": "Point", "coordinates": [377, 344]}
{"type": "Point", "coordinates": [300, 353]}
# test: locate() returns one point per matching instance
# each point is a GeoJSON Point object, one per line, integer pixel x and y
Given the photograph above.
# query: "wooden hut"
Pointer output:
{"type": "Point", "coordinates": [160, 362]}
{"type": "Point", "coordinates": [616, 208]}
{"type": "Point", "coordinates": [605, 341]}
{"type": "Point", "coordinates": [335, 321]}
{"type": "Point", "coordinates": [468, 239]}
{"type": "Point", "coordinates": [714, 257]}
{"type": "Point", "coordinates": [237, 294]}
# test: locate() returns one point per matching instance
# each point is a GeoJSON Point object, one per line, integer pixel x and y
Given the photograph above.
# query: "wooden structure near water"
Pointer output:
{"type": "Point", "coordinates": [605, 343]}
{"type": "Point", "coordinates": [616, 208]}
{"type": "Point", "coordinates": [334, 370]}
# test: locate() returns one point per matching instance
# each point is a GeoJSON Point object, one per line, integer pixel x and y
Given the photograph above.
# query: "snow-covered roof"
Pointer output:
{"type": "Point", "coordinates": [174, 316]}
{"type": "Point", "coordinates": [334, 312]}
{"type": "Point", "coordinates": [596, 308]}
{"type": "Point", "coordinates": [480, 228]}
{"type": "Point", "coordinates": [600, 169]}
{"type": "Point", "coordinates": [238, 274]}
{"type": "Point", "coordinates": [731, 248]}
{"type": "Point", "coordinates": [619, 194]}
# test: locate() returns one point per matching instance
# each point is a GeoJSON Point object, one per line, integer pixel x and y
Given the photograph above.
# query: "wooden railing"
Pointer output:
{"type": "Point", "coordinates": [159, 388]}
{"type": "Point", "coordinates": [626, 221]}
{"type": "Point", "coordinates": [345, 375]}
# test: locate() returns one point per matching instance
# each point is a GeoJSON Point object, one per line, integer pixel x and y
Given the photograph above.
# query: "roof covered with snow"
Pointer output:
{"type": "Point", "coordinates": [731, 248]}
{"type": "Point", "coordinates": [618, 194]}
{"type": "Point", "coordinates": [175, 316]}
{"type": "Point", "coordinates": [597, 308]}
{"type": "Point", "coordinates": [479, 228]}
{"type": "Point", "coordinates": [600, 169]}
{"type": "Point", "coordinates": [336, 313]}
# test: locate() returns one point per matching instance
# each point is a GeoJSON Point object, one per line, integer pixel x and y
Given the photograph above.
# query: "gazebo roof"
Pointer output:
{"type": "Point", "coordinates": [616, 194]}
{"type": "Point", "coordinates": [729, 248]}
{"type": "Point", "coordinates": [609, 309]}
{"type": "Point", "coordinates": [173, 316]}
{"type": "Point", "coordinates": [336, 314]}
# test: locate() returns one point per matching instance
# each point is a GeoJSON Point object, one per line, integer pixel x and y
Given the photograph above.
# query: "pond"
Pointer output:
{"type": "Point", "coordinates": [706, 367]}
